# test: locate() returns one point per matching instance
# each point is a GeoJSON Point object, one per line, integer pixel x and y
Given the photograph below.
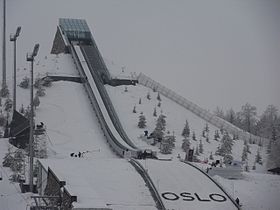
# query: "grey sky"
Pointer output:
{"type": "Point", "coordinates": [216, 53]}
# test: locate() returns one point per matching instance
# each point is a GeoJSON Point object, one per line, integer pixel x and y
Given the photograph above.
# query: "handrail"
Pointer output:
{"type": "Point", "coordinates": [156, 196]}
{"type": "Point", "coordinates": [194, 108]}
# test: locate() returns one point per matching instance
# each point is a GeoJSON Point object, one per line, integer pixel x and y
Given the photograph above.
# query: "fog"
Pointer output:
{"type": "Point", "coordinates": [215, 53]}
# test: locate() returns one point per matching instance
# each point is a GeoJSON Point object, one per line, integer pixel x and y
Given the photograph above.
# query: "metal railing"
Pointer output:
{"type": "Point", "coordinates": [200, 112]}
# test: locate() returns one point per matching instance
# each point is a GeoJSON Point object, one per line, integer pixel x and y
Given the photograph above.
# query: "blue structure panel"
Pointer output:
{"type": "Point", "coordinates": [75, 29]}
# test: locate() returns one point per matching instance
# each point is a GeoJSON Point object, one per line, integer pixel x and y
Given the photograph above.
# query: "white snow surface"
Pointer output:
{"type": "Point", "coordinates": [111, 183]}
{"type": "Point", "coordinates": [72, 125]}
{"type": "Point", "coordinates": [178, 177]}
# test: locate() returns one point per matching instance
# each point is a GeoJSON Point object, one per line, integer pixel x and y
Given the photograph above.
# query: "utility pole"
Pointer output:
{"type": "Point", "coordinates": [30, 57]}
{"type": "Point", "coordinates": [13, 38]}
{"type": "Point", "coordinates": [4, 46]}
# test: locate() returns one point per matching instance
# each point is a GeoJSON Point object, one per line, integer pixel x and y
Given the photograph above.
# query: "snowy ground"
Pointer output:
{"type": "Point", "coordinates": [183, 187]}
{"type": "Point", "coordinates": [112, 183]}
{"type": "Point", "coordinates": [72, 127]}
{"type": "Point", "coordinates": [66, 106]}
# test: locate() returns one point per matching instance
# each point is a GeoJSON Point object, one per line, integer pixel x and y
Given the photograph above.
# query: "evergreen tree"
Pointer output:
{"type": "Point", "coordinates": [211, 156]}
{"type": "Point", "coordinates": [40, 146]}
{"type": "Point", "coordinates": [158, 97]}
{"type": "Point", "coordinates": [206, 128]}
{"type": "Point", "coordinates": [268, 149]}
{"type": "Point", "coordinates": [3, 120]}
{"type": "Point", "coordinates": [27, 112]}
{"type": "Point", "coordinates": [36, 101]}
{"type": "Point", "coordinates": [154, 89]}
{"type": "Point", "coordinates": [273, 134]}
{"type": "Point", "coordinates": [17, 164]}
{"type": "Point", "coordinates": [21, 110]}
{"type": "Point", "coordinates": [158, 133]}
{"type": "Point", "coordinates": [41, 91]}
{"type": "Point", "coordinates": [203, 133]}
{"type": "Point", "coordinates": [200, 146]}
{"type": "Point", "coordinates": [142, 121]}
{"type": "Point", "coordinates": [167, 144]}
{"type": "Point", "coordinates": [134, 109]}
{"type": "Point", "coordinates": [186, 130]}
{"type": "Point", "coordinates": [8, 105]}
{"type": "Point", "coordinates": [219, 112]}
{"type": "Point", "coordinates": [24, 83]}
{"type": "Point", "coordinates": [258, 157]}
{"type": "Point", "coordinates": [244, 156]}
{"type": "Point", "coordinates": [216, 135]}
{"type": "Point", "coordinates": [148, 96]}
{"type": "Point", "coordinates": [260, 144]}
{"type": "Point", "coordinates": [155, 112]}
{"type": "Point", "coordinates": [38, 82]}
{"type": "Point", "coordinates": [230, 116]}
{"type": "Point", "coordinates": [248, 114]}
{"type": "Point", "coordinates": [186, 144]}
{"type": "Point", "coordinates": [4, 92]}
{"type": "Point", "coordinates": [228, 159]}
{"type": "Point", "coordinates": [248, 148]}
{"type": "Point", "coordinates": [254, 166]}
{"type": "Point", "coordinates": [159, 104]}
{"type": "Point", "coordinates": [196, 151]}
{"type": "Point", "coordinates": [193, 136]}
{"type": "Point", "coordinates": [226, 145]}
{"type": "Point", "coordinates": [207, 137]}
{"type": "Point", "coordinates": [47, 82]}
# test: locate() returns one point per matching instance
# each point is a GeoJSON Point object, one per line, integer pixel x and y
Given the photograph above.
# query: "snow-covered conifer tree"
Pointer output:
{"type": "Point", "coordinates": [142, 121]}
{"type": "Point", "coordinates": [160, 127]}
{"type": "Point", "coordinates": [186, 144]}
{"type": "Point", "coordinates": [226, 145]}
{"type": "Point", "coordinates": [36, 101]}
{"type": "Point", "coordinates": [211, 156]}
{"type": "Point", "coordinates": [21, 110]}
{"type": "Point", "coordinates": [148, 96]}
{"type": "Point", "coordinates": [200, 146]}
{"type": "Point", "coordinates": [244, 156]}
{"type": "Point", "coordinates": [158, 97]}
{"type": "Point", "coordinates": [186, 130]}
{"type": "Point", "coordinates": [24, 83]}
{"type": "Point", "coordinates": [134, 109]}
{"type": "Point", "coordinates": [193, 136]}
{"type": "Point", "coordinates": [155, 112]}
{"type": "Point", "coordinates": [159, 104]}
{"type": "Point", "coordinates": [167, 144]}
{"type": "Point", "coordinates": [8, 105]}
{"type": "Point", "coordinates": [207, 128]}
{"type": "Point", "coordinates": [4, 92]}
{"type": "Point", "coordinates": [258, 157]}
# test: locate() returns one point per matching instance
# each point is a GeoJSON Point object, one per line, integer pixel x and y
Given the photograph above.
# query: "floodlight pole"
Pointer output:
{"type": "Point", "coordinates": [4, 46]}
{"type": "Point", "coordinates": [30, 57]}
{"type": "Point", "coordinates": [13, 38]}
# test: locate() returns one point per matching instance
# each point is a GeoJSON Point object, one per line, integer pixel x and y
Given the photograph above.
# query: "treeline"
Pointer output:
{"type": "Point", "coordinates": [265, 125]}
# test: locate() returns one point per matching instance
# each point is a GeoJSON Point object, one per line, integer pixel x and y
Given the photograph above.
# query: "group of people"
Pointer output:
{"type": "Point", "coordinates": [79, 154]}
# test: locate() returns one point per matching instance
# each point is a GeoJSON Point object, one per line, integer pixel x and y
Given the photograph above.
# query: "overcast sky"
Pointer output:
{"type": "Point", "coordinates": [215, 53]}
